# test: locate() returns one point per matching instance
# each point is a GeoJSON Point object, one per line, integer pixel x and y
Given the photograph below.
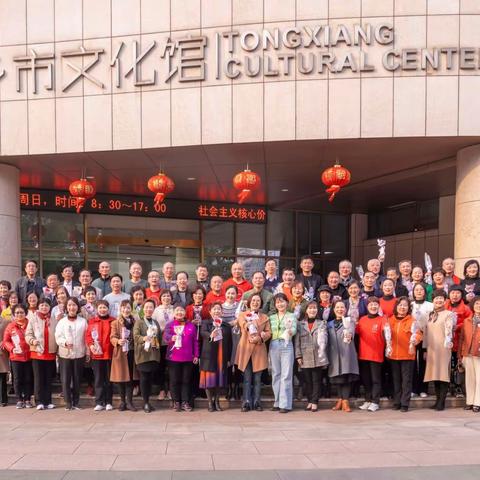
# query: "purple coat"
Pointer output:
{"type": "Point", "coordinates": [190, 347]}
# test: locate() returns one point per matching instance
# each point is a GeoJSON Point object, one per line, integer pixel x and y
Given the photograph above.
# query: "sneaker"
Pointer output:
{"type": "Point", "coordinates": [50, 406]}
{"type": "Point", "coordinates": [20, 405]}
{"type": "Point", "coordinates": [365, 406]}
{"type": "Point", "coordinates": [40, 406]}
{"type": "Point", "coordinates": [98, 408]}
{"type": "Point", "coordinates": [423, 395]}
{"type": "Point", "coordinates": [76, 407]}
{"type": "Point", "coordinates": [68, 407]}
{"type": "Point", "coordinates": [459, 395]}
{"type": "Point", "coordinates": [28, 404]}
{"type": "Point", "coordinates": [413, 395]}
{"type": "Point", "coordinates": [373, 407]}
{"type": "Point", "coordinates": [109, 407]}
{"type": "Point", "coordinates": [186, 407]}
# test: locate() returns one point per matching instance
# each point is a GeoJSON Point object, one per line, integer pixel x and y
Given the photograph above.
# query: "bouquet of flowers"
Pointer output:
{"type": "Point", "coordinates": [413, 337]}
{"type": "Point", "coordinates": [37, 331]}
{"type": "Point", "coordinates": [360, 272]}
{"type": "Point", "coordinates": [97, 348]}
{"type": "Point", "coordinates": [322, 340]}
{"type": "Point", "coordinates": [348, 325]}
{"type": "Point", "coordinates": [16, 342]}
{"type": "Point", "coordinates": [381, 249]}
{"type": "Point", "coordinates": [450, 323]}
{"type": "Point", "coordinates": [287, 325]}
{"type": "Point", "coordinates": [387, 333]}
{"type": "Point", "coordinates": [178, 329]}
{"type": "Point", "coordinates": [251, 318]}
{"type": "Point", "coordinates": [125, 336]}
{"type": "Point", "coordinates": [217, 333]}
{"type": "Point", "coordinates": [69, 340]}
{"type": "Point", "coordinates": [428, 269]}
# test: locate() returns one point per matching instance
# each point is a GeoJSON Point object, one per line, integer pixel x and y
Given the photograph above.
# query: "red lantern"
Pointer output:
{"type": "Point", "coordinates": [81, 190]}
{"type": "Point", "coordinates": [246, 182]}
{"type": "Point", "coordinates": [335, 178]}
{"type": "Point", "coordinates": [161, 185]}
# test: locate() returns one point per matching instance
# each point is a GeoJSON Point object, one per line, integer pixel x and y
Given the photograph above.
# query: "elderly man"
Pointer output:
{"type": "Point", "coordinates": [135, 278]}
{"type": "Point", "coordinates": [103, 282]}
{"type": "Point", "coordinates": [258, 281]}
{"type": "Point", "coordinates": [30, 282]}
{"type": "Point", "coordinates": [168, 281]}
{"type": "Point", "coordinates": [238, 280]}
{"type": "Point", "coordinates": [345, 268]}
{"type": "Point", "coordinates": [201, 278]}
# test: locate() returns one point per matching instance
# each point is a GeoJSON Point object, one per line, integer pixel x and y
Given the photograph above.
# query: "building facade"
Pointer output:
{"type": "Point", "coordinates": [203, 88]}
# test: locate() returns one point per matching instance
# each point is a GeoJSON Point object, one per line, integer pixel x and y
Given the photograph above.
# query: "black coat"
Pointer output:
{"type": "Point", "coordinates": [209, 354]}
{"type": "Point", "coordinates": [22, 288]}
{"type": "Point", "coordinates": [177, 299]}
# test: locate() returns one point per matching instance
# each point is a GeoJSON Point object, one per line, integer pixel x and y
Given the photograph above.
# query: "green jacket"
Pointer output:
{"type": "Point", "coordinates": [142, 355]}
{"type": "Point", "coordinates": [267, 304]}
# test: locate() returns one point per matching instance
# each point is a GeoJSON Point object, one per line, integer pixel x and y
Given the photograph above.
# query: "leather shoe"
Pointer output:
{"type": "Point", "coordinates": [283, 410]}
{"type": "Point", "coordinates": [130, 406]}
{"type": "Point", "coordinates": [258, 408]}
{"type": "Point", "coordinates": [147, 408]}
{"type": "Point", "coordinates": [122, 407]}
{"type": "Point", "coordinates": [468, 407]}
{"type": "Point", "coordinates": [275, 409]}
{"type": "Point", "coordinates": [246, 408]}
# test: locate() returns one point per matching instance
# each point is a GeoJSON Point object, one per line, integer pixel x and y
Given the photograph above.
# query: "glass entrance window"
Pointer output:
{"type": "Point", "coordinates": [120, 240]}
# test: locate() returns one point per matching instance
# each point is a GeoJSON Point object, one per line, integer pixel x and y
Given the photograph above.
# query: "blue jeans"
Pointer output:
{"type": "Point", "coordinates": [247, 385]}
{"type": "Point", "coordinates": [281, 359]}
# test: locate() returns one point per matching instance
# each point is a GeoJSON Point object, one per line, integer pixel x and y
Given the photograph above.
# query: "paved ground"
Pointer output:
{"type": "Point", "coordinates": [384, 444]}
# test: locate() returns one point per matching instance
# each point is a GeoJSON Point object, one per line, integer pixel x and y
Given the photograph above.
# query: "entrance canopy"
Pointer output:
{"type": "Point", "coordinates": [385, 172]}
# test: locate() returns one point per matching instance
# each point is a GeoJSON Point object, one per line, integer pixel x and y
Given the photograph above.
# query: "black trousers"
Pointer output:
{"type": "Point", "coordinates": [180, 380]}
{"type": "Point", "coordinates": [146, 380]}
{"type": "Point", "coordinates": [126, 388]}
{"type": "Point", "coordinates": [402, 374]}
{"type": "Point", "coordinates": [162, 372]}
{"type": "Point", "coordinates": [71, 370]}
{"type": "Point", "coordinates": [3, 388]}
{"type": "Point", "coordinates": [43, 373]}
{"type": "Point", "coordinates": [441, 390]}
{"type": "Point", "coordinates": [371, 375]}
{"type": "Point", "coordinates": [312, 382]}
{"type": "Point", "coordinates": [103, 386]}
{"type": "Point", "coordinates": [419, 386]}
{"type": "Point", "coordinates": [22, 380]}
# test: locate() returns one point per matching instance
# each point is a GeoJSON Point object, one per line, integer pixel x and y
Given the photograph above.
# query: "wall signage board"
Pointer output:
{"type": "Point", "coordinates": [112, 204]}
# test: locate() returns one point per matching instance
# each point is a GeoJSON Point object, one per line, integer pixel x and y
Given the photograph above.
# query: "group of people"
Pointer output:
{"type": "Point", "coordinates": [391, 332]}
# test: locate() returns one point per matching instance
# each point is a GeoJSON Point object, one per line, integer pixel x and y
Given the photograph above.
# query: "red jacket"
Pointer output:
{"type": "Point", "coordinates": [102, 326]}
{"type": "Point", "coordinates": [243, 286]}
{"type": "Point", "coordinates": [387, 306]}
{"type": "Point", "coordinates": [12, 329]}
{"type": "Point", "coordinates": [371, 340]}
{"type": "Point", "coordinates": [463, 312]}
{"type": "Point", "coordinates": [189, 312]}
{"type": "Point", "coordinates": [212, 298]}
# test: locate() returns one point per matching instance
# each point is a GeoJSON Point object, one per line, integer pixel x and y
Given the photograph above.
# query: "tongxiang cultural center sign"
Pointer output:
{"type": "Point", "coordinates": [275, 52]}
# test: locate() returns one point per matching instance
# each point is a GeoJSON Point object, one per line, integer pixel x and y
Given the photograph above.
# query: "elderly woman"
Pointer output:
{"type": "Point", "coordinates": [251, 356]}
{"type": "Point", "coordinates": [342, 356]}
{"type": "Point", "coordinates": [438, 340]}
{"type": "Point", "coordinates": [40, 335]}
{"type": "Point", "coordinates": [311, 353]}
{"type": "Point", "coordinates": [284, 327]}
{"type": "Point", "coordinates": [123, 362]}
{"type": "Point", "coordinates": [469, 355]}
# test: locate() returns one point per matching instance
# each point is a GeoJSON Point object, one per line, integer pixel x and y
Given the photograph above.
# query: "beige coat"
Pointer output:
{"type": "Point", "coordinates": [119, 371]}
{"type": "Point", "coordinates": [4, 364]}
{"type": "Point", "coordinates": [439, 356]}
{"type": "Point", "coordinates": [253, 346]}
{"type": "Point", "coordinates": [36, 324]}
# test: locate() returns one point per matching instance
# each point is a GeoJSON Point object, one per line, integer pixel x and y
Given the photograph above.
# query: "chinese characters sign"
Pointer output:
{"type": "Point", "coordinates": [62, 201]}
{"type": "Point", "coordinates": [320, 49]}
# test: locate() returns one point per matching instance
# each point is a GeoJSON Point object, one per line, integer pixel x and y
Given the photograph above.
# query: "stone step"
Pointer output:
{"type": "Point", "coordinates": [87, 401]}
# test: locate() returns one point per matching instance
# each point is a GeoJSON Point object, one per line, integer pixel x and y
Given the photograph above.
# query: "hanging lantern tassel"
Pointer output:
{"type": "Point", "coordinates": [246, 182]}
{"type": "Point", "coordinates": [335, 178]}
{"type": "Point", "coordinates": [160, 185]}
{"type": "Point", "coordinates": [82, 190]}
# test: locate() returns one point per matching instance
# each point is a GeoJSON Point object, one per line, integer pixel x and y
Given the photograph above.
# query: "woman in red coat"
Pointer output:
{"type": "Point", "coordinates": [97, 338]}
{"type": "Point", "coordinates": [14, 342]}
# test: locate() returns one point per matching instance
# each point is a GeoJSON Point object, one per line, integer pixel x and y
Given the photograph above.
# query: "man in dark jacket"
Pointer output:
{"type": "Point", "coordinates": [311, 281]}
{"type": "Point", "coordinates": [31, 282]}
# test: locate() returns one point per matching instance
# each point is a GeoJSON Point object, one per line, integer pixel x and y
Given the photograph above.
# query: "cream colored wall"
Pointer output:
{"type": "Point", "coordinates": [344, 105]}
{"type": "Point", "coordinates": [438, 243]}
